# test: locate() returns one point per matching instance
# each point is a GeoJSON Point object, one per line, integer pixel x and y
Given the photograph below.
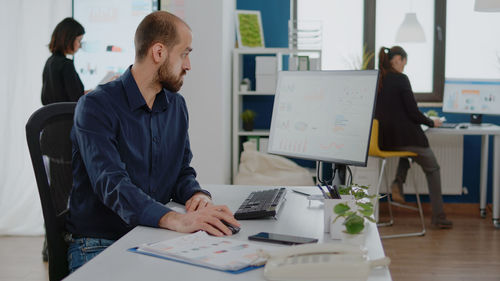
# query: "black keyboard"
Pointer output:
{"type": "Point", "coordinates": [449, 125]}
{"type": "Point", "coordinates": [261, 204]}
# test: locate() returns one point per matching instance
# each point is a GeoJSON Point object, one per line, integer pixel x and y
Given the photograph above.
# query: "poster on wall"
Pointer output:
{"type": "Point", "coordinates": [108, 44]}
{"type": "Point", "coordinates": [249, 29]}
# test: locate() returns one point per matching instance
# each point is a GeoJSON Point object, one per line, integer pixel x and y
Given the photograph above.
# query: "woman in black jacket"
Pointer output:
{"type": "Point", "coordinates": [61, 83]}
{"type": "Point", "coordinates": [400, 120]}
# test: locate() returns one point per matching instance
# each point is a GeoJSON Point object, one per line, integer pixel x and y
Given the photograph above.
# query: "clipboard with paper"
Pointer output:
{"type": "Point", "coordinates": [200, 249]}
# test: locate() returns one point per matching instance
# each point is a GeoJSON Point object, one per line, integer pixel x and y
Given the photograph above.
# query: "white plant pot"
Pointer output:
{"type": "Point", "coordinates": [354, 239]}
{"type": "Point", "coordinates": [336, 228]}
{"type": "Point", "coordinates": [328, 213]}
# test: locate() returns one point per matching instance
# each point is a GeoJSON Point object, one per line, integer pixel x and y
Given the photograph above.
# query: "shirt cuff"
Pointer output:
{"type": "Point", "coordinates": [430, 123]}
{"type": "Point", "coordinates": [192, 192]}
{"type": "Point", "coordinates": [153, 213]}
{"type": "Point", "coordinates": [202, 191]}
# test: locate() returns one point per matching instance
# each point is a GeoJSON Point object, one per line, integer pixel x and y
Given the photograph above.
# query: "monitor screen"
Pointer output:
{"type": "Point", "coordinates": [324, 115]}
{"type": "Point", "coordinates": [473, 96]}
{"type": "Point", "coordinates": [108, 43]}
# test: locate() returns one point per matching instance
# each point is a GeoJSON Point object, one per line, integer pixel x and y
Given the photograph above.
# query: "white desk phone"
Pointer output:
{"type": "Point", "coordinates": [328, 261]}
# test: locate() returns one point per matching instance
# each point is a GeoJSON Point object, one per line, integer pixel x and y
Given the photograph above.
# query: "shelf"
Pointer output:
{"type": "Point", "coordinates": [254, 133]}
{"type": "Point", "coordinates": [261, 97]}
{"type": "Point", "coordinates": [255, 93]}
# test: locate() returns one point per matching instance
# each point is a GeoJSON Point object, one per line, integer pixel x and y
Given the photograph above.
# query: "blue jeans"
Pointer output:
{"type": "Point", "coordinates": [81, 250]}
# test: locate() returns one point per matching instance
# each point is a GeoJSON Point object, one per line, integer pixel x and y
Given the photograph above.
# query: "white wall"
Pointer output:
{"type": "Point", "coordinates": [25, 29]}
{"type": "Point", "coordinates": [207, 87]}
{"type": "Point", "coordinates": [26, 26]}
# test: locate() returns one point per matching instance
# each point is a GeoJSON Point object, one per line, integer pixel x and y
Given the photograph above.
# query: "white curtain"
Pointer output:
{"type": "Point", "coordinates": [25, 30]}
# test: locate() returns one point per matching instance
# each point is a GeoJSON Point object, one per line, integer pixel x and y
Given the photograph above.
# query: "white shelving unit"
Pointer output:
{"type": "Point", "coordinates": [238, 54]}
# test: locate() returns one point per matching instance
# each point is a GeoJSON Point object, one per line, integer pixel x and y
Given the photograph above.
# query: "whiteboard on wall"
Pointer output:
{"type": "Point", "coordinates": [108, 43]}
{"type": "Point", "coordinates": [324, 115]}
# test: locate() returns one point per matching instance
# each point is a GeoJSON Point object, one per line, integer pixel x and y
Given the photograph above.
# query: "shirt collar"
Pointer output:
{"type": "Point", "coordinates": [135, 98]}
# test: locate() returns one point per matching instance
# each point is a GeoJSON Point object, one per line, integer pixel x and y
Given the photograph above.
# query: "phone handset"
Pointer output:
{"type": "Point", "coordinates": [320, 261]}
{"type": "Point", "coordinates": [312, 249]}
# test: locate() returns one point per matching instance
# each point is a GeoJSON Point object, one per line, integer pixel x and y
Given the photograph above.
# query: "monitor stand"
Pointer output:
{"type": "Point", "coordinates": [476, 120]}
{"type": "Point", "coordinates": [338, 174]}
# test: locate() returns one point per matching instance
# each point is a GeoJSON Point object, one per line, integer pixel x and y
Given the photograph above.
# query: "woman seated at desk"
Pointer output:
{"type": "Point", "coordinates": [400, 121]}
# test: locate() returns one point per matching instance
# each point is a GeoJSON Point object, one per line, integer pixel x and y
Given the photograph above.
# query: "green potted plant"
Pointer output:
{"type": "Point", "coordinates": [356, 211]}
{"type": "Point", "coordinates": [248, 117]}
{"type": "Point", "coordinates": [432, 113]}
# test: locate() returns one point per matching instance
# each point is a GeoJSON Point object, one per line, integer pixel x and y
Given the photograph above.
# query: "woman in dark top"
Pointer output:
{"type": "Point", "coordinates": [61, 83]}
{"type": "Point", "coordinates": [400, 120]}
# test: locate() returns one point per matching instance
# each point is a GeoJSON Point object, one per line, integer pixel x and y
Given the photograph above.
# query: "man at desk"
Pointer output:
{"type": "Point", "coordinates": [131, 152]}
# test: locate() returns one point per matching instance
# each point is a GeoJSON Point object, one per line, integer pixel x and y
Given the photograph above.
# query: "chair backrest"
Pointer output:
{"type": "Point", "coordinates": [47, 133]}
{"type": "Point", "coordinates": [374, 149]}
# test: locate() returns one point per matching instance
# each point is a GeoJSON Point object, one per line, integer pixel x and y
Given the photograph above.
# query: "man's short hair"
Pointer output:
{"type": "Point", "coordinates": [157, 27]}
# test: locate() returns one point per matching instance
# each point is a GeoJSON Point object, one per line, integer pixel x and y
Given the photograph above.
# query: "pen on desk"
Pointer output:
{"type": "Point", "coordinates": [300, 192]}
{"type": "Point", "coordinates": [322, 191]}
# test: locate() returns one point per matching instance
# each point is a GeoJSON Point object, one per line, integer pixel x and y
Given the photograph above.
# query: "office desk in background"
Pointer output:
{"type": "Point", "coordinates": [295, 218]}
{"type": "Point", "coordinates": [484, 132]}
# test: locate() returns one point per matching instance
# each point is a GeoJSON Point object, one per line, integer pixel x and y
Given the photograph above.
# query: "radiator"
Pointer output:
{"type": "Point", "coordinates": [449, 153]}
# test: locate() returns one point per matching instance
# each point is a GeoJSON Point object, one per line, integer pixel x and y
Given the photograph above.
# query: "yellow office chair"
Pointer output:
{"type": "Point", "coordinates": [375, 151]}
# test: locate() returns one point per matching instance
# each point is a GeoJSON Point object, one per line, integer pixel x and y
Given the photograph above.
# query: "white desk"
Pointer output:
{"type": "Point", "coordinates": [485, 132]}
{"type": "Point", "coordinates": [295, 218]}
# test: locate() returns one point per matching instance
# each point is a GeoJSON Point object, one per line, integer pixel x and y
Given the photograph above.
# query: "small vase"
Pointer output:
{"type": "Point", "coordinates": [248, 126]}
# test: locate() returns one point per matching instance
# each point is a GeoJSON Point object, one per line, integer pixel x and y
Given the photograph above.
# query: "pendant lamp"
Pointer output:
{"type": "Point", "coordinates": [487, 6]}
{"type": "Point", "coordinates": [410, 30]}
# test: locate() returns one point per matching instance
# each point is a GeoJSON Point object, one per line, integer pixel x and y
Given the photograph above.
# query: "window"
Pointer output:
{"type": "Point", "coordinates": [389, 16]}
{"type": "Point", "coordinates": [472, 45]}
{"type": "Point", "coordinates": [472, 38]}
{"type": "Point", "coordinates": [380, 21]}
{"type": "Point", "coordinates": [342, 26]}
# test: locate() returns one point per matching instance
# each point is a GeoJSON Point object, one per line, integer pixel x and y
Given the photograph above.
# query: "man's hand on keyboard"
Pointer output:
{"type": "Point", "coordinates": [198, 201]}
{"type": "Point", "coordinates": [207, 219]}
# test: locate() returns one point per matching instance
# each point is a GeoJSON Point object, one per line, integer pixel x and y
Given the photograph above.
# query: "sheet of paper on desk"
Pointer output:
{"type": "Point", "coordinates": [425, 127]}
{"type": "Point", "coordinates": [209, 251]}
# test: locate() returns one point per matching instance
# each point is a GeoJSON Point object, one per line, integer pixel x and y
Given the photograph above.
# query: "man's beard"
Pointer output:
{"type": "Point", "coordinates": [169, 80]}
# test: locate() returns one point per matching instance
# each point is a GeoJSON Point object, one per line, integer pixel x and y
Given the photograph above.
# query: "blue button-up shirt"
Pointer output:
{"type": "Point", "coordinates": [128, 160]}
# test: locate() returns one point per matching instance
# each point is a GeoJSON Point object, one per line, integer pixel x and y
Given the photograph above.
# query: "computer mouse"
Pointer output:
{"type": "Point", "coordinates": [463, 126]}
{"type": "Point", "coordinates": [234, 229]}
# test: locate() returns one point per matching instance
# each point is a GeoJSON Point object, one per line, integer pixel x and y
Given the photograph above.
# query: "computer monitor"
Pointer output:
{"type": "Point", "coordinates": [472, 96]}
{"type": "Point", "coordinates": [324, 115]}
{"type": "Point", "coordinates": [108, 43]}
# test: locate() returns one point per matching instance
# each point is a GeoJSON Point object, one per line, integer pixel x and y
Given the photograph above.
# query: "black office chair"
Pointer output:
{"type": "Point", "coordinates": [47, 133]}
